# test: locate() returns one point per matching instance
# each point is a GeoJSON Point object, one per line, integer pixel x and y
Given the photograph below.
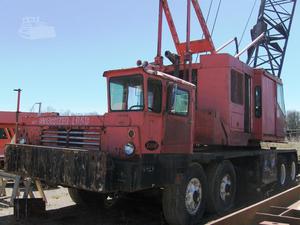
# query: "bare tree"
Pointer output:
{"type": "Point", "coordinates": [293, 120]}
{"type": "Point", "coordinates": [50, 109]}
{"type": "Point", "coordinates": [293, 125]}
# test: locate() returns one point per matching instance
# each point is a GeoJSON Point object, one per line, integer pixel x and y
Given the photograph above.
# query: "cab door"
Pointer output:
{"type": "Point", "coordinates": [178, 127]}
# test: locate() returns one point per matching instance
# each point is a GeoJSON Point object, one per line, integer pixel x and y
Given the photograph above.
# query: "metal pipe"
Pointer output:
{"type": "Point", "coordinates": [17, 113]}
{"type": "Point", "coordinates": [228, 43]}
{"type": "Point", "coordinates": [40, 107]}
{"type": "Point", "coordinates": [188, 26]}
{"type": "Point", "coordinates": [159, 38]}
{"type": "Point", "coordinates": [250, 45]}
{"type": "Point", "coordinates": [188, 56]}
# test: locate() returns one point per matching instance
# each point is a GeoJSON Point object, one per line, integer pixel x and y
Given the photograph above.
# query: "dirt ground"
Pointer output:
{"type": "Point", "coordinates": [62, 211]}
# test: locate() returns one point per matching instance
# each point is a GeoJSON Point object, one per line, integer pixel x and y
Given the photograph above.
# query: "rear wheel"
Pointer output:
{"type": "Point", "coordinates": [184, 204]}
{"type": "Point", "coordinates": [292, 170]}
{"type": "Point", "coordinates": [282, 177]}
{"type": "Point", "coordinates": [221, 187]}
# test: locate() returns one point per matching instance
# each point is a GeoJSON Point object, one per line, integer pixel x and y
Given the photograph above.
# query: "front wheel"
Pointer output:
{"type": "Point", "coordinates": [91, 199]}
{"type": "Point", "coordinates": [184, 203]}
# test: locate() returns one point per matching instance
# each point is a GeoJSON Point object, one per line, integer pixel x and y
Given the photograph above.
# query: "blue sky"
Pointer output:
{"type": "Point", "coordinates": [92, 36]}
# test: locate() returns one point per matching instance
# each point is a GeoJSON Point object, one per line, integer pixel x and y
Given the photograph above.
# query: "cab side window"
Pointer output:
{"type": "Point", "coordinates": [280, 98]}
{"type": "Point", "coordinates": [178, 101]}
{"type": "Point", "coordinates": [154, 95]}
{"type": "Point", "coordinates": [237, 87]}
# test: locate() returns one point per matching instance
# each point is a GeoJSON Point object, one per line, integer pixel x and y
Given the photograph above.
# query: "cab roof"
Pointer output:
{"type": "Point", "coordinates": [149, 71]}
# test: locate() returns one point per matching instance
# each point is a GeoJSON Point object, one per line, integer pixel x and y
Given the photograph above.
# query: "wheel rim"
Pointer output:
{"type": "Point", "coordinates": [225, 187]}
{"type": "Point", "coordinates": [293, 171]}
{"type": "Point", "coordinates": [282, 174]}
{"type": "Point", "coordinates": [193, 196]}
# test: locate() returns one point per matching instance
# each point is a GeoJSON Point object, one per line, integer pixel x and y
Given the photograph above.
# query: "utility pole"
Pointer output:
{"type": "Point", "coordinates": [17, 113]}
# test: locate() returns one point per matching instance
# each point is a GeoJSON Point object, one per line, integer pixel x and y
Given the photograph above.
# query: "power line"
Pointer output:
{"type": "Point", "coordinates": [206, 20]}
{"type": "Point", "coordinates": [209, 10]}
{"type": "Point", "coordinates": [247, 22]}
{"type": "Point", "coordinates": [217, 14]}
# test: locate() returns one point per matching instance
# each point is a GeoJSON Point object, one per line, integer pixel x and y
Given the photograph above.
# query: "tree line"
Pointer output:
{"type": "Point", "coordinates": [293, 124]}
{"type": "Point", "coordinates": [293, 120]}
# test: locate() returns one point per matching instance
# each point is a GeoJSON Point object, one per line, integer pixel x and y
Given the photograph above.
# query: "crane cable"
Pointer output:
{"type": "Point", "coordinates": [209, 10]}
{"type": "Point", "coordinates": [206, 19]}
{"type": "Point", "coordinates": [215, 21]}
{"type": "Point", "coordinates": [246, 26]}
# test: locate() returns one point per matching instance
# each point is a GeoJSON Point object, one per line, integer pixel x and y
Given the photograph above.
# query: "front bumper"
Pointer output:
{"type": "Point", "coordinates": [93, 170]}
{"type": "Point", "coordinates": [67, 167]}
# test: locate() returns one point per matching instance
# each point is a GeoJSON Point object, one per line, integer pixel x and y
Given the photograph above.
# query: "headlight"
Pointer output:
{"type": "Point", "coordinates": [129, 149]}
{"type": "Point", "coordinates": [22, 141]}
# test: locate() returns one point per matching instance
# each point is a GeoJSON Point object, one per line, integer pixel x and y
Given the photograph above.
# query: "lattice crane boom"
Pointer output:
{"type": "Point", "coordinates": [274, 20]}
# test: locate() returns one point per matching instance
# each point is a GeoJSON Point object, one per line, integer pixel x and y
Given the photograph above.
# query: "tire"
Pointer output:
{"type": "Point", "coordinates": [282, 171]}
{"type": "Point", "coordinates": [91, 199]}
{"type": "Point", "coordinates": [184, 203]}
{"type": "Point", "coordinates": [292, 170]}
{"type": "Point", "coordinates": [75, 196]}
{"type": "Point", "coordinates": [221, 187]}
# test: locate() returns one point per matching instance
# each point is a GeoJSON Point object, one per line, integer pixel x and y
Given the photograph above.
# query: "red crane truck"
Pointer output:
{"type": "Point", "coordinates": [8, 125]}
{"type": "Point", "coordinates": [192, 130]}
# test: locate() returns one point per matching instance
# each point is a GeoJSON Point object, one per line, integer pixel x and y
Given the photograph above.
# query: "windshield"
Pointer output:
{"type": "Point", "coordinates": [126, 93]}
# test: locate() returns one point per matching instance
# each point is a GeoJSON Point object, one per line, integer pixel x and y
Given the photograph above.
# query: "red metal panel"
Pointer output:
{"type": "Point", "coordinates": [270, 127]}
{"type": "Point", "coordinates": [214, 95]}
{"type": "Point", "coordinates": [7, 118]}
{"type": "Point", "coordinates": [269, 106]}
{"type": "Point", "coordinates": [196, 46]}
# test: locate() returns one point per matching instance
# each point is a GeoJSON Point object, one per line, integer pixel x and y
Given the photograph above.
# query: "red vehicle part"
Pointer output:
{"type": "Point", "coordinates": [8, 126]}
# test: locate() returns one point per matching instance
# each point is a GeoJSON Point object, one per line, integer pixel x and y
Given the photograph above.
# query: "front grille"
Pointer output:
{"type": "Point", "coordinates": [72, 138]}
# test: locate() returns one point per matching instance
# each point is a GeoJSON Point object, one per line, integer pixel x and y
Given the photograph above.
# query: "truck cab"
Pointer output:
{"type": "Point", "coordinates": [158, 108]}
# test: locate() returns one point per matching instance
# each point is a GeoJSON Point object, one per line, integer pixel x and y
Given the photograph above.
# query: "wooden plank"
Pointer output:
{"type": "Point", "coordinates": [40, 189]}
